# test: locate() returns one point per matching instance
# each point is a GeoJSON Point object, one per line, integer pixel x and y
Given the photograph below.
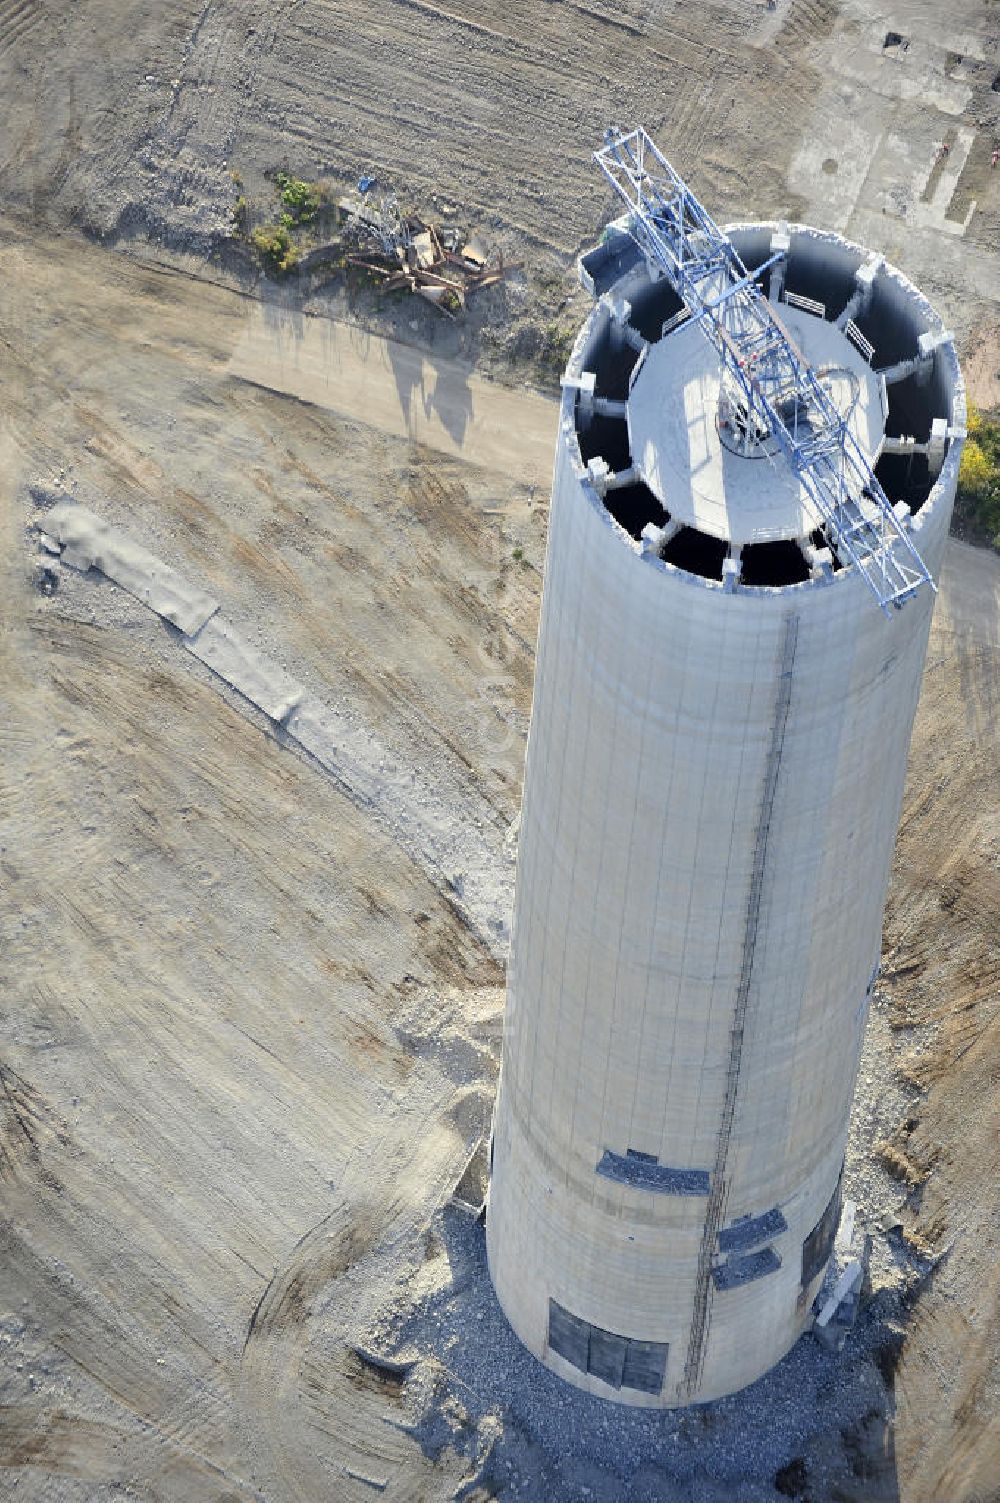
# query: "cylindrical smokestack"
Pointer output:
{"type": "Point", "coordinates": [715, 768]}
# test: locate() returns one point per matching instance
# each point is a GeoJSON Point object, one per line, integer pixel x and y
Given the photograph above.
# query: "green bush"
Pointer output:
{"type": "Point", "coordinates": [979, 476]}
{"type": "Point", "coordinates": [301, 199]}
{"type": "Point", "coordinates": [555, 347]}
{"type": "Point", "coordinates": [276, 248]}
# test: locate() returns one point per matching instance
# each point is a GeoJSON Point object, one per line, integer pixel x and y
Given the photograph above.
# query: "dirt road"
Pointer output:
{"type": "Point", "coordinates": [397, 389]}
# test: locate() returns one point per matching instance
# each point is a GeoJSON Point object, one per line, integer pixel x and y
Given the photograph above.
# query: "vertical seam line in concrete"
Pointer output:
{"type": "Point", "coordinates": [717, 1193]}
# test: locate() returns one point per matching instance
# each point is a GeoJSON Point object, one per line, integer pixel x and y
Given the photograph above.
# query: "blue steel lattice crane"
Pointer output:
{"type": "Point", "coordinates": [771, 388]}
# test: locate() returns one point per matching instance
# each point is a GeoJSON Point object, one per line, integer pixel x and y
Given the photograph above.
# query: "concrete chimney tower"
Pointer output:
{"type": "Point", "coordinates": [728, 669]}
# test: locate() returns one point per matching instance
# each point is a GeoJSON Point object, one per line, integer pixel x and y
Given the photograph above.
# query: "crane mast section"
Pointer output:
{"type": "Point", "coordinates": [781, 395]}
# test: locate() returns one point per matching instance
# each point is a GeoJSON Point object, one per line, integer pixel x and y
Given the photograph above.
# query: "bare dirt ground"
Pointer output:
{"type": "Point", "coordinates": [249, 1040]}
{"type": "Point", "coordinates": [941, 970]}
{"type": "Point", "coordinates": [271, 1038]}
{"type": "Point", "coordinates": [128, 119]}
{"type": "Point", "coordinates": [250, 1043]}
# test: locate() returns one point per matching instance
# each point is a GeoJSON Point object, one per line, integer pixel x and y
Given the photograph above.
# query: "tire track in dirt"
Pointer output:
{"type": "Point", "coordinates": [534, 78]}
{"type": "Point", "coordinates": [52, 1271]}
{"type": "Point", "coordinates": [26, 1123]}
{"type": "Point", "coordinates": [17, 20]}
{"type": "Point", "coordinates": [808, 22]}
{"type": "Point", "coordinates": [301, 1394]}
{"type": "Point", "coordinates": [177, 180]}
{"type": "Point", "coordinates": [142, 1254]}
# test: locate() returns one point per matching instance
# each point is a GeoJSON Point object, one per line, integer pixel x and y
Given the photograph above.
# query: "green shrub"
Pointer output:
{"type": "Point", "coordinates": [276, 248]}
{"type": "Point", "coordinates": [978, 500]}
{"type": "Point", "coordinates": [975, 470]}
{"type": "Point", "coordinates": [301, 199]}
{"type": "Point", "coordinates": [555, 347]}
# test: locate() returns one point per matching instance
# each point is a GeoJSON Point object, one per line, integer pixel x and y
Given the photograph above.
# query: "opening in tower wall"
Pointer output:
{"type": "Point", "coordinates": [696, 552]}
{"type": "Point", "coordinates": [613, 371]}
{"type": "Point", "coordinates": [605, 438]}
{"type": "Point", "coordinates": [773, 564]}
{"type": "Point", "coordinates": [633, 506]}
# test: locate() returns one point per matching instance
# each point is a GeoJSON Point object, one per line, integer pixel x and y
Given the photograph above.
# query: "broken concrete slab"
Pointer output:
{"type": "Point", "coordinates": [837, 1315]}
{"type": "Point", "coordinates": [90, 542]}
{"type": "Point", "coordinates": [845, 1231]}
{"type": "Point", "coordinates": [220, 647]}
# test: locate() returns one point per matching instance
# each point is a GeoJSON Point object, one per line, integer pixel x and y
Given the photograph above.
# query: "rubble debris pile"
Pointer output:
{"type": "Point", "coordinates": [403, 252]}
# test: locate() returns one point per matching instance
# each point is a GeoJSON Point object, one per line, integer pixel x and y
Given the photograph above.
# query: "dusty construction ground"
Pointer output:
{"type": "Point", "coordinates": [271, 1037]}
{"type": "Point", "coordinates": [127, 118]}
{"type": "Point", "coordinates": [248, 1041]}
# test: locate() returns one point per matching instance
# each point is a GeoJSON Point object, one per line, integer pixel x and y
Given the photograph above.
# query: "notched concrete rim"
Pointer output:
{"type": "Point", "coordinates": [940, 493]}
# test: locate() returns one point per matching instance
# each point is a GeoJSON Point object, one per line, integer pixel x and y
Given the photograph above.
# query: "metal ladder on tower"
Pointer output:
{"type": "Point", "coordinates": [780, 393]}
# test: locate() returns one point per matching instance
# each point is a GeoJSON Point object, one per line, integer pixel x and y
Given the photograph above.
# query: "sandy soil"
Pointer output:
{"type": "Point", "coordinates": [942, 973]}
{"type": "Point", "coordinates": [231, 1000]}
{"type": "Point", "coordinates": [249, 1043]}
{"type": "Point", "coordinates": [397, 389]}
